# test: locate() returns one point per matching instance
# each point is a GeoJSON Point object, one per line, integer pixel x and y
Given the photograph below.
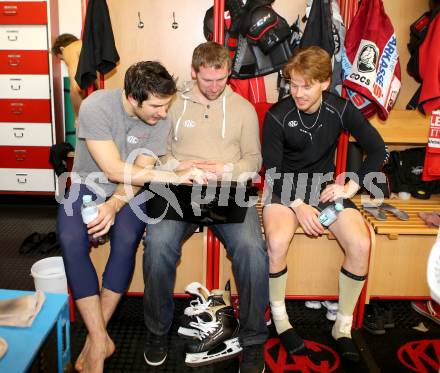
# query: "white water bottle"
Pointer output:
{"type": "Point", "coordinates": [89, 209]}
{"type": "Point", "coordinates": [330, 214]}
{"type": "Point", "coordinates": [89, 212]}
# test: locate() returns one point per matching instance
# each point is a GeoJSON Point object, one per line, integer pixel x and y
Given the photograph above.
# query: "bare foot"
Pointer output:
{"type": "Point", "coordinates": [79, 363]}
{"type": "Point", "coordinates": [95, 354]}
{"type": "Point", "coordinates": [109, 349]}
{"type": "Point", "coordinates": [94, 359]}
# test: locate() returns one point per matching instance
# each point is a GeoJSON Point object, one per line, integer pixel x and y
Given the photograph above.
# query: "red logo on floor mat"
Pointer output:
{"type": "Point", "coordinates": [319, 358]}
{"type": "Point", "coordinates": [421, 356]}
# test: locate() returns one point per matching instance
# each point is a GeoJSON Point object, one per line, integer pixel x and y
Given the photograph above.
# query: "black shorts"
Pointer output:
{"type": "Point", "coordinates": [348, 203]}
{"type": "Point", "coordinates": [309, 195]}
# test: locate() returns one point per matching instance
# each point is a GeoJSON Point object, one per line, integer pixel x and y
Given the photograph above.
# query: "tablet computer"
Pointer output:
{"type": "Point", "coordinates": [214, 203]}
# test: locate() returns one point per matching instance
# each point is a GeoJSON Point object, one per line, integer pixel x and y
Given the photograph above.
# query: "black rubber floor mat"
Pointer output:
{"type": "Point", "coordinates": [403, 348]}
{"type": "Point", "coordinates": [128, 332]}
{"type": "Point", "coordinates": [16, 223]}
{"type": "Point", "coordinates": [320, 354]}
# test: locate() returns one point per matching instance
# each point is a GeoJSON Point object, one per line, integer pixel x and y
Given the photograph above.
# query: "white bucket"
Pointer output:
{"type": "Point", "coordinates": [49, 275]}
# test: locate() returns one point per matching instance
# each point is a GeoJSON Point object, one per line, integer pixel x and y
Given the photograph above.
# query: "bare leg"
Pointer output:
{"type": "Point", "coordinates": [280, 224]}
{"type": "Point", "coordinates": [352, 234]}
{"type": "Point", "coordinates": [90, 309]}
{"type": "Point", "coordinates": [108, 302]}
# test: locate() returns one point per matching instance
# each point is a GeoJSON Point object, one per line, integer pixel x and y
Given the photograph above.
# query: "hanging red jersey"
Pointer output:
{"type": "Point", "coordinates": [429, 67]}
{"type": "Point", "coordinates": [252, 89]}
{"type": "Point", "coordinates": [431, 168]}
{"type": "Point", "coordinates": [371, 63]}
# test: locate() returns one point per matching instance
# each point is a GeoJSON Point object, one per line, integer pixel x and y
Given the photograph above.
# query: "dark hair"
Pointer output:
{"type": "Point", "coordinates": [210, 54]}
{"type": "Point", "coordinates": [62, 40]}
{"type": "Point", "coordinates": [148, 77]}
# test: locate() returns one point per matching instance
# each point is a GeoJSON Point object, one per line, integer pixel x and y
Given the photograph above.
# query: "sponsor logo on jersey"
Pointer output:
{"type": "Point", "coordinates": [292, 123]}
{"type": "Point", "coordinates": [189, 123]}
{"type": "Point", "coordinates": [368, 58]}
{"type": "Point", "coordinates": [374, 70]}
{"type": "Point", "coordinates": [388, 62]}
{"type": "Point", "coordinates": [132, 140]}
{"type": "Point", "coordinates": [364, 69]}
{"type": "Point", "coordinates": [417, 170]}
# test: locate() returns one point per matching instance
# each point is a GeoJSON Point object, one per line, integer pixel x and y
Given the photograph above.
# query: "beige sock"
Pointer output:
{"type": "Point", "coordinates": [350, 287]}
{"type": "Point", "coordinates": [277, 294]}
{"type": "Point", "coordinates": [342, 326]}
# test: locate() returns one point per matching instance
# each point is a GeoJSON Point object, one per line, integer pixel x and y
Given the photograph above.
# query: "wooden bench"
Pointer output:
{"type": "Point", "coordinates": [398, 264]}
{"type": "Point", "coordinates": [191, 267]}
{"type": "Point", "coordinates": [308, 277]}
{"type": "Point", "coordinates": [314, 264]}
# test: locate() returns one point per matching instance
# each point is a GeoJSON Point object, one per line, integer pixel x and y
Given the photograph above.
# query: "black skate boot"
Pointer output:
{"type": "Point", "coordinates": [202, 308]}
{"type": "Point", "coordinates": [217, 339]}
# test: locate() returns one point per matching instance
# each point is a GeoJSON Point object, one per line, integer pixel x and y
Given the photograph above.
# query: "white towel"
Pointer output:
{"type": "Point", "coordinates": [21, 311]}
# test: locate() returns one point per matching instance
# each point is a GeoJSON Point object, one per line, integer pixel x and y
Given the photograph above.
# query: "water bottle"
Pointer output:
{"type": "Point", "coordinates": [330, 214]}
{"type": "Point", "coordinates": [89, 212]}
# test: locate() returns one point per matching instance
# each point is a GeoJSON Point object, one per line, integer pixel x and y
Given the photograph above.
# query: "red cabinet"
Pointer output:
{"type": "Point", "coordinates": [23, 13]}
{"type": "Point", "coordinates": [24, 157]}
{"type": "Point", "coordinates": [27, 124]}
{"type": "Point", "coordinates": [24, 62]}
{"type": "Point", "coordinates": [24, 110]}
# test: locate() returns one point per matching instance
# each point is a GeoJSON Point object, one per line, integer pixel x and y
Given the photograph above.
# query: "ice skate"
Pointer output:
{"type": "Point", "coordinates": [204, 307]}
{"type": "Point", "coordinates": [217, 339]}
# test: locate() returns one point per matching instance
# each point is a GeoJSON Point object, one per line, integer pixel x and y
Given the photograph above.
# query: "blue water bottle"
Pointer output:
{"type": "Point", "coordinates": [330, 214]}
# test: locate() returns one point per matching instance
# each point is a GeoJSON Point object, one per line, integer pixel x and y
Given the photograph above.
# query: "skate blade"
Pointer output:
{"type": "Point", "coordinates": [224, 351]}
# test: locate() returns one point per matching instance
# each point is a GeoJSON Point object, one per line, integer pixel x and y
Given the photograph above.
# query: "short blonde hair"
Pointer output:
{"type": "Point", "coordinates": [210, 54]}
{"type": "Point", "coordinates": [313, 63]}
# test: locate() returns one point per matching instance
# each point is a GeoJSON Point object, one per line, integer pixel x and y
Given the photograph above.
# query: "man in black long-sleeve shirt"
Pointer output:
{"type": "Point", "coordinates": [300, 135]}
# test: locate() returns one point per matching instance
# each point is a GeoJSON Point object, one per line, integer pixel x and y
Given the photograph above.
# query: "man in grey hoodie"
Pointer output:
{"type": "Point", "coordinates": [217, 131]}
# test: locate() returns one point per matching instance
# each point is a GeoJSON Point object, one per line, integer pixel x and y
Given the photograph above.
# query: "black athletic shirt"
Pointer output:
{"type": "Point", "coordinates": [306, 143]}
